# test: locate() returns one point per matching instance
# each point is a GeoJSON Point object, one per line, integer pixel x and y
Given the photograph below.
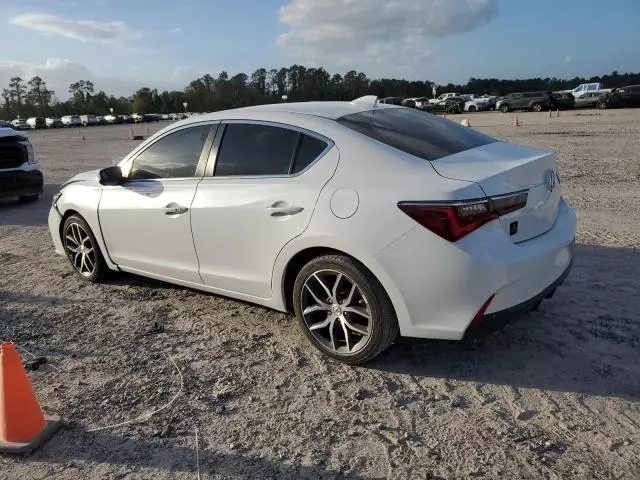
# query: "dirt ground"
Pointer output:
{"type": "Point", "coordinates": [555, 395]}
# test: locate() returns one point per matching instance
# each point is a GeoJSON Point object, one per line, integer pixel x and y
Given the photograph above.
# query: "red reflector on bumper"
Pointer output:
{"type": "Point", "coordinates": [478, 318]}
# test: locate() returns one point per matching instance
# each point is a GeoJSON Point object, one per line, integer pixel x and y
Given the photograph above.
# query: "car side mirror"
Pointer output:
{"type": "Point", "coordinates": [111, 176]}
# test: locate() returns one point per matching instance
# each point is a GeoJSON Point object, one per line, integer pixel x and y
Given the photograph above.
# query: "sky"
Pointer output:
{"type": "Point", "coordinates": [122, 45]}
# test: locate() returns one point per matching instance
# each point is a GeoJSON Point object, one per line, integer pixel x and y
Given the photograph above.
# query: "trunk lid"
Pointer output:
{"type": "Point", "coordinates": [501, 169]}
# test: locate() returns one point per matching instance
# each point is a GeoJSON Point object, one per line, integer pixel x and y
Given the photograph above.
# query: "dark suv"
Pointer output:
{"type": "Point", "coordinates": [620, 98]}
{"type": "Point", "coordinates": [535, 101]}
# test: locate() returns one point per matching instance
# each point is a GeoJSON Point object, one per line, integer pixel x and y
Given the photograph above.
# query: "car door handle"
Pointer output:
{"type": "Point", "coordinates": [283, 209]}
{"type": "Point", "coordinates": [175, 209]}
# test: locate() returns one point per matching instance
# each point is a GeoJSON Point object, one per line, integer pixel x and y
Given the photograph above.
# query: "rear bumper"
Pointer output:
{"type": "Point", "coordinates": [437, 288]}
{"type": "Point", "coordinates": [15, 183]}
{"type": "Point", "coordinates": [496, 320]}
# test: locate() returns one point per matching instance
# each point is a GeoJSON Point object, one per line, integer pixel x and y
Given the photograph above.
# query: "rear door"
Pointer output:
{"type": "Point", "coordinates": [261, 188]}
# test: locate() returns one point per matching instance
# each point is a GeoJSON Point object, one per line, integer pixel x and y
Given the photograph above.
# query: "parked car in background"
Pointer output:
{"type": "Point", "coordinates": [474, 103]}
{"type": "Point", "coordinates": [125, 118]}
{"type": "Point", "coordinates": [622, 97]}
{"type": "Point", "coordinates": [152, 117]}
{"type": "Point", "coordinates": [71, 121]}
{"type": "Point", "coordinates": [562, 101]}
{"type": "Point", "coordinates": [112, 119]}
{"type": "Point", "coordinates": [588, 100]}
{"type": "Point", "coordinates": [533, 101]}
{"type": "Point", "coordinates": [391, 100]}
{"type": "Point", "coordinates": [587, 88]}
{"type": "Point", "coordinates": [20, 174]}
{"type": "Point", "coordinates": [100, 120]}
{"type": "Point", "coordinates": [53, 122]}
{"type": "Point", "coordinates": [442, 98]}
{"type": "Point", "coordinates": [166, 116]}
{"type": "Point", "coordinates": [367, 220]}
{"type": "Point", "coordinates": [88, 120]}
{"type": "Point", "coordinates": [36, 122]}
{"type": "Point", "coordinates": [451, 105]}
{"type": "Point", "coordinates": [20, 124]}
{"type": "Point", "coordinates": [5, 124]}
{"type": "Point", "coordinates": [137, 117]}
{"type": "Point", "coordinates": [415, 102]}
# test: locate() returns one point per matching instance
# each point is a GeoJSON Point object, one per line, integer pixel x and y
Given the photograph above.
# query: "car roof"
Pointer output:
{"type": "Point", "coordinates": [330, 110]}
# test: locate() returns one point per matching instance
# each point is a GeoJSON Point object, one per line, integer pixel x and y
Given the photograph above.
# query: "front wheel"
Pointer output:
{"type": "Point", "coordinates": [601, 105]}
{"type": "Point", "coordinates": [472, 108]}
{"type": "Point", "coordinates": [343, 310]}
{"type": "Point", "coordinates": [504, 108]}
{"type": "Point", "coordinates": [536, 107]}
{"type": "Point", "coordinates": [83, 250]}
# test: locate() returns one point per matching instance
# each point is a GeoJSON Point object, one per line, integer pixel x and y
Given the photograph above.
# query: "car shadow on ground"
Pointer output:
{"type": "Point", "coordinates": [586, 339]}
{"type": "Point", "coordinates": [132, 455]}
{"type": "Point", "coordinates": [29, 214]}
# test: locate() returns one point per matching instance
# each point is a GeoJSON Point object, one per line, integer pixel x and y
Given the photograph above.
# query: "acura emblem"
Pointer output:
{"type": "Point", "coordinates": [550, 179]}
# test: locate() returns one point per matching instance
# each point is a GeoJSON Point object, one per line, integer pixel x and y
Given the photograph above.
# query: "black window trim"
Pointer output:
{"type": "Point", "coordinates": [213, 154]}
{"type": "Point", "coordinates": [127, 162]}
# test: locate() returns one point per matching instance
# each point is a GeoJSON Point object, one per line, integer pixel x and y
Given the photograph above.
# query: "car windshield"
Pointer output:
{"type": "Point", "coordinates": [415, 132]}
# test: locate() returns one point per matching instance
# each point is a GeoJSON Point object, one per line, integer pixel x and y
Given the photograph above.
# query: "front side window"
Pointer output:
{"type": "Point", "coordinates": [418, 133]}
{"type": "Point", "coordinates": [254, 149]}
{"type": "Point", "coordinates": [173, 156]}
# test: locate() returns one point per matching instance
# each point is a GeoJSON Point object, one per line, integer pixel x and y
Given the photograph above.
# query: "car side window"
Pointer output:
{"type": "Point", "coordinates": [254, 149]}
{"type": "Point", "coordinates": [173, 156]}
{"type": "Point", "coordinates": [310, 148]}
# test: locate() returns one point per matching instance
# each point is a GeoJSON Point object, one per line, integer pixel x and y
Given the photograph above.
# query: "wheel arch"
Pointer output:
{"type": "Point", "coordinates": [289, 264]}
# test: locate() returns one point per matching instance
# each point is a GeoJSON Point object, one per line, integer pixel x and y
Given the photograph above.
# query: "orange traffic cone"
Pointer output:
{"type": "Point", "coordinates": [516, 122]}
{"type": "Point", "coordinates": [83, 138]}
{"type": "Point", "coordinates": [549, 113]}
{"type": "Point", "coordinates": [23, 427]}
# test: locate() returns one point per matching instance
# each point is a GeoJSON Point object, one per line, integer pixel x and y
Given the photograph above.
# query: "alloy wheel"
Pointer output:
{"type": "Point", "coordinates": [80, 249]}
{"type": "Point", "coordinates": [336, 311]}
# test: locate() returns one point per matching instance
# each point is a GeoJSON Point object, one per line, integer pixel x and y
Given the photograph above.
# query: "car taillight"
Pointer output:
{"type": "Point", "coordinates": [454, 220]}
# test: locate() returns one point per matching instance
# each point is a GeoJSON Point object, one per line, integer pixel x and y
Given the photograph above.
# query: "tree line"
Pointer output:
{"type": "Point", "coordinates": [298, 83]}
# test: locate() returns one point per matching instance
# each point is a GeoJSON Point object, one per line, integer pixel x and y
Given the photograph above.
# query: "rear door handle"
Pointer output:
{"type": "Point", "coordinates": [283, 209]}
{"type": "Point", "coordinates": [175, 209]}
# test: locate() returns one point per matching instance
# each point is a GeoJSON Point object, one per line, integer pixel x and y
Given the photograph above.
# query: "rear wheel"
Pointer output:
{"type": "Point", "coordinates": [343, 310]}
{"type": "Point", "coordinates": [472, 108]}
{"type": "Point", "coordinates": [504, 108]}
{"type": "Point", "coordinates": [536, 107]}
{"type": "Point", "coordinates": [83, 250]}
{"type": "Point", "coordinates": [601, 105]}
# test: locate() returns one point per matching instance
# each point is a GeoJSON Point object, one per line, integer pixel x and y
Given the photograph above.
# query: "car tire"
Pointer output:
{"type": "Point", "coordinates": [28, 198]}
{"type": "Point", "coordinates": [356, 326]}
{"type": "Point", "coordinates": [601, 105]}
{"type": "Point", "coordinates": [472, 108]}
{"type": "Point", "coordinates": [504, 108]}
{"type": "Point", "coordinates": [82, 250]}
{"type": "Point", "coordinates": [536, 107]}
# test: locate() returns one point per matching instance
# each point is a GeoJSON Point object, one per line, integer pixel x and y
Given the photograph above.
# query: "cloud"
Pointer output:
{"type": "Point", "coordinates": [82, 30]}
{"type": "Point", "coordinates": [392, 36]}
{"type": "Point", "coordinates": [59, 73]}
{"type": "Point", "coordinates": [176, 30]}
{"type": "Point", "coordinates": [568, 58]}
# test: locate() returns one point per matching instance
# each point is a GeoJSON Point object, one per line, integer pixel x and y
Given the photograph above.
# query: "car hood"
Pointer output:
{"type": "Point", "coordinates": [90, 176]}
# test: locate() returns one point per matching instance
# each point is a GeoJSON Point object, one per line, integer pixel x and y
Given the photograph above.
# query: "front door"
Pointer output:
{"type": "Point", "coordinates": [146, 222]}
{"type": "Point", "coordinates": [265, 185]}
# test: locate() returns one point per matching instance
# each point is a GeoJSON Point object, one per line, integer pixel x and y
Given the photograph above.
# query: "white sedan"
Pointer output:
{"type": "Point", "coordinates": [366, 220]}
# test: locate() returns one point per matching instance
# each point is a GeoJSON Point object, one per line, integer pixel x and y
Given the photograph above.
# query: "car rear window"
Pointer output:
{"type": "Point", "coordinates": [418, 133]}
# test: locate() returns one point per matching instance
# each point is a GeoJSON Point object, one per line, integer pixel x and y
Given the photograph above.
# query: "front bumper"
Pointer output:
{"type": "Point", "coordinates": [15, 183]}
{"type": "Point", "coordinates": [54, 221]}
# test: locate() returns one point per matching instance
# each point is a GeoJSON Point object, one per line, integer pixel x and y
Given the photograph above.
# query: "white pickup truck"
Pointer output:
{"type": "Point", "coordinates": [586, 88]}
